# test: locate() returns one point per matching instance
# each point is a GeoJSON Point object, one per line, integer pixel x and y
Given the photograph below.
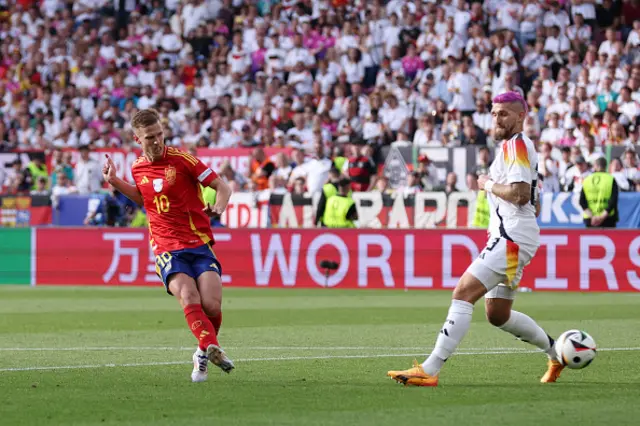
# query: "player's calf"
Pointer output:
{"type": "Point", "coordinates": [467, 292]}
{"type": "Point", "coordinates": [214, 313]}
{"type": "Point", "coordinates": [210, 289]}
{"type": "Point", "coordinates": [216, 321]}
{"type": "Point", "coordinates": [497, 310]}
{"type": "Point", "coordinates": [523, 327]}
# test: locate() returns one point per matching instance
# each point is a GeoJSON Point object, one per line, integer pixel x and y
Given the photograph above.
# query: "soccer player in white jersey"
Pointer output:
{"type": "Point", "coordinates": [514, 238]}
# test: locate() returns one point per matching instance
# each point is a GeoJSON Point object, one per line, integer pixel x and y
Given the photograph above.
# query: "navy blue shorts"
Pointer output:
{"type": "Point", "coordinates": [190, 261]}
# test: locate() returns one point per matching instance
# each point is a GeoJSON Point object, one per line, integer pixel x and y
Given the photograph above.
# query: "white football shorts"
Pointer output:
{"type": "Point", "coordinates": [500, 266]}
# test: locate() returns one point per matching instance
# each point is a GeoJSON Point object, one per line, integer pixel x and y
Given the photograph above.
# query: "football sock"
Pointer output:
{"type": "Point", "coordinates": [217, 322]}
{"type": "Point", "coordinates": [200, 326]}
{"type": "Point", "coordinates": [452, 333]}
{"type": "Point", "coordinates": [526, 329]}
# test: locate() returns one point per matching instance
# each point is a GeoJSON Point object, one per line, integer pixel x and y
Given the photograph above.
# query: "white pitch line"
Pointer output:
{"type": "Point", "coordinates": [260, 348]}
{"type": "Point", "coordinates": [277, 359]}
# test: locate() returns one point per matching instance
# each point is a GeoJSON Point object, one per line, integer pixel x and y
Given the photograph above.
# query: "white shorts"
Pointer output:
{"type": "Point", "coordinates": [500, 266]}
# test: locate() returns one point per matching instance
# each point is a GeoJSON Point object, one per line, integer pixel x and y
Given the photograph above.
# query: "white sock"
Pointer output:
{"type": "Point", "coordinates": [200, 352]}
{"type": "Point", "coordinates": [526, 329]}
{"type": "Point", "coordinates": [452, 333]}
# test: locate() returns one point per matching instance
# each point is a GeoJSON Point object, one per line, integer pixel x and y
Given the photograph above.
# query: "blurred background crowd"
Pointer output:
{"type": "Point", "coordinates": [332, 80]}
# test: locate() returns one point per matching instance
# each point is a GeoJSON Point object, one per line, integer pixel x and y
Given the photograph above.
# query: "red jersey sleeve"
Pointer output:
{"type": "Point", "coordinates": [197, 169]}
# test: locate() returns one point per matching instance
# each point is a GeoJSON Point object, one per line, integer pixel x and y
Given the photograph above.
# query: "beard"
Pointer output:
{"type": "Point", "coordinates": [502, 133]}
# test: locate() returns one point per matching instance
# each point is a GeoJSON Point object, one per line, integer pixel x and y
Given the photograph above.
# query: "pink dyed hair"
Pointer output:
{"type": "Point", "coordinates": [511, 97]}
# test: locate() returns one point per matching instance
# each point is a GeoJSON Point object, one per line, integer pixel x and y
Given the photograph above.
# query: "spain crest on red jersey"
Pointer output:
{"type": "Point", "coordinates": [170, 175]}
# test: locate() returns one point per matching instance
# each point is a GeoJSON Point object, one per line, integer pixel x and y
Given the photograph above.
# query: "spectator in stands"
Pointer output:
{"type": "Point", "coordinates": [361, 168]}
{"type": "Point", "coordinates": [451, 183]}
{"type": "Point", "coordinates": [577, 174]}
{"type": "Point", "coordinates": [426, 134]}
{"type": "Point", "coordinates": [60, 162]}
{"type": "Point", "coordinates": [483, 161]}
{"type": "Point", "coordinates": [236, 180]}
{"type": "Point", "coordinates": [382, 186]}
{"type": "Point", "coordinates": [579, 34]}
{"type": "Point", "coordinates": [41, 186]}
{"type": "Point", "coordinates": [88, 176]}
{"type": "Point", "coordinates": [299, 187]}
{"type": "Point", "coordinates": [464, 87]}
{"type": "Point", "coordinates": [402, 140]}
{"type": "Point", "coordinates": [314, 171]}
{"type": "Point", "coordinates": [394, 117]}
{"type": "Point", "coordinates": [19, 180]}
{"type": "Point", "coordinates": [627, 105]}
{"type": "Point", "coordinates": [564, 165]}
{"type": "Point", "coordinates": [63, 186]}
{"type": "Point", "coordinates": [590, 152]}
{"type": "Point", "coordinates": [482, 116]}
{"type": "Point", "coordinates": [606, 93]}
{"type": "Point", "coordinates": [472, 182]}
{"type": "Point", "coordinates": [548, 168]}
{"type": "Point", "coordinates": [471, 133]}
{"type": "Point", "coordinates": [413, 184]}
{"type": "Point", "coordinates": [616, 170]}
{"type": "Point", "coordinates": [428, 173]}
{"type": "Point", "coordinates": [553, 133]}
{"type": "Point", "coordinates": [283, 167]}
{"type": "Point", "coordinates": [261, 169]}
{"type": "Point", "coordinates": [631, 171]}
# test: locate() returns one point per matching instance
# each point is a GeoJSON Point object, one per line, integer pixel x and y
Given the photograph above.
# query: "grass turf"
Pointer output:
{"type": "Point", "coordinates": [303, 357]}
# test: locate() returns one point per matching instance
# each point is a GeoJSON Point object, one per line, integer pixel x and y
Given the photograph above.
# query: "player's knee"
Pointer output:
{"type": "Point", "coordinates": [496, 316]}
{"type": "Point", "coordinates": [190, 296]}
{"type": "Point", "coordinates": [469, 289]}
{"type": "Point", "coordinates": [211, 307]}
{"type": "Point", "coordinates": [185, 290]}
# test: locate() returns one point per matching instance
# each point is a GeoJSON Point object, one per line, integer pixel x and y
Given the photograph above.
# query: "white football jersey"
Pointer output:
{"type": "Point", "coordinates": [515, 161]}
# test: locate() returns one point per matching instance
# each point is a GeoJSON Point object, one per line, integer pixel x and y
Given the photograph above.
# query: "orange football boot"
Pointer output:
{"type": "Point", "coordinates": [553, 371]}
{"type": "Point", "coordinates": [414, 376]}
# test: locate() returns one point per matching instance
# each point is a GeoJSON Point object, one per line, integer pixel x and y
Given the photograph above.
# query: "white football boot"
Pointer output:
{"type": "Point", "coordinates": [218, 358]}
{"type": "Point", "coordinates": [200, 366]}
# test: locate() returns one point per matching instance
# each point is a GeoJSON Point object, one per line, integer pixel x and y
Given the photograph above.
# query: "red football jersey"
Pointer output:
{"type": "Point", "coordinates": [172, 196]}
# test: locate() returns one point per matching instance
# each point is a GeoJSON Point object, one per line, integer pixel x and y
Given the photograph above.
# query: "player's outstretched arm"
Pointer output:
{"type": "Point", "coordinates": [223, 193]}
{"type": "Point", "coordinates": [518, 193]}
{"type": "Point", "coordinates": [129, 191]}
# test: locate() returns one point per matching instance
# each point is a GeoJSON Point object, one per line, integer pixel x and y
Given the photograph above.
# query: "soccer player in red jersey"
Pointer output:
{"type": "Point", "coordinates": [168, 184]}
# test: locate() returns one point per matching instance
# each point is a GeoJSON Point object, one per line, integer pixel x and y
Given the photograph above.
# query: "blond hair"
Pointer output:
{"type": "Point", "coordinates": [144, 118]}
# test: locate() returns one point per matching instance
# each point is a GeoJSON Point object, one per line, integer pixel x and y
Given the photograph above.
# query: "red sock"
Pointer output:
{"type": "Point", "coordinates": [217, 322]}
{"type": "Point", "coordinates": [200, 326]}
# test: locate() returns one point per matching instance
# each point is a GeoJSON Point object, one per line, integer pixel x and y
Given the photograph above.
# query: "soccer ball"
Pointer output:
{"type": "Point", "coordinates": [575, 349]}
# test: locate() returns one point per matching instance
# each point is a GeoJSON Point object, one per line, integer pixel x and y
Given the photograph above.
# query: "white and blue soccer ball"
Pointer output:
{"type": "Point", "coordinates": [576, 349]}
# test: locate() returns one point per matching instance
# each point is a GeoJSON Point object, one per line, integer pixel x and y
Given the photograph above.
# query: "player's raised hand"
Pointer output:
{"type": "Point", "coordinates": [109, 169]}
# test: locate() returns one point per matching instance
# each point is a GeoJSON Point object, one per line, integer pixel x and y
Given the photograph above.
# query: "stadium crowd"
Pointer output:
{"type": "Point", "coordinates": [333, 80]}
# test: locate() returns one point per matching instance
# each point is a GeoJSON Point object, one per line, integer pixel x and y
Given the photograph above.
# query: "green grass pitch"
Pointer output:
{"type": "Point", "coordinates": [107, 356]}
